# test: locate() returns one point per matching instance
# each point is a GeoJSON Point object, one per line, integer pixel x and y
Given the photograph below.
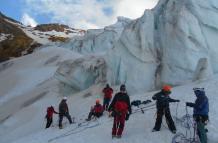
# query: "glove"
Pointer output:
{"type": "Point", "coordinates": [188, 104]}
{"type": "Point", "coordinates": [127, 116]}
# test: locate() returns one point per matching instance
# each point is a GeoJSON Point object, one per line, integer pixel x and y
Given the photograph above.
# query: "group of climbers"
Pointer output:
{"type": "Point", "coordinates": [63, 112]}
{"type": "Point", "coordinates": [120, 109]}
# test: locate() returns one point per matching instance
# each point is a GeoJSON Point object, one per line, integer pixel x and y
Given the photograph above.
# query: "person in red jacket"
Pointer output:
{"type": "Point", "coordinates": [49, 116]}
{"type": "Point", "coordinates": [96, 111]}
{"type": "Point", "coordinates": [108, 91]}
{"type": "Point", "coordinates": [120, 109]}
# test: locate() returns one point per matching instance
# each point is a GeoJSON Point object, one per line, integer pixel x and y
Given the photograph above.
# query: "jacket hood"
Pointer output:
{"type": "Point", "coordinates": [199, 93]}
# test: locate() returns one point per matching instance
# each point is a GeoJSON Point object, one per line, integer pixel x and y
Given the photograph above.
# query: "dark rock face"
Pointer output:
{"type": "Point", "coordinates": [49, 27]}
{"type": "Point", "coordinates": [16, 42]}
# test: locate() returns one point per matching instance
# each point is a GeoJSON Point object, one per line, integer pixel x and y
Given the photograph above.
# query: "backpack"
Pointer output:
{"type": "Point", "coordinates": [121, 106]}
{"type": "Point", "coordinates": [136, 103]}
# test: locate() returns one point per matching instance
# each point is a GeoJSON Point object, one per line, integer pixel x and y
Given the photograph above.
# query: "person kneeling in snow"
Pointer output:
{"type": "Point", "coordinates": [120, 109]}
{"type": "Point", "coordinates": [201, 110]}
{"type": "Point", "coordinates": [49, 116]}
{"type": "Point", "coordinates": [63, 111]}
{"type": "Point", "coordinates": [162, 105]}
{"type": "Point", "coordinates": [96, 111]}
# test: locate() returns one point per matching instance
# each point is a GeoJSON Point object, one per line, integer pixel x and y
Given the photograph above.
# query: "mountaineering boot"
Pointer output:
{"type": "Point", "coordinates": [206, 130]}
{"type": "Point", "coordinates": [88, 119]}
{"type": "Point", "coordinates": [119, 136]}
{"type": "Point", "coordinates": [113, 136]}
{"type": "Point", "coordinates": [155, 130]}
{"type": "Point", "coordinates": [173, 131]}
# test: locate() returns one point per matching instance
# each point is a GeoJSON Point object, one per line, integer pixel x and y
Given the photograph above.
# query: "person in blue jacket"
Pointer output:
{"type": "Point", "coordinates": [200, 115]}
{"type": "Point", "coordinates": [201, 105]}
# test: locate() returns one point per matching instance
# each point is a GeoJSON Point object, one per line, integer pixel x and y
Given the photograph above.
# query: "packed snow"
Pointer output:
{"type": "Point", "coordinates": [4, 36]}
{"type": "Point", "coordinates": [22, 117]}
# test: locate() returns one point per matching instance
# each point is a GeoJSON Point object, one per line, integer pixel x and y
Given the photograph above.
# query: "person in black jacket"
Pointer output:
{"type": "Point", "coordinates": [64, 111]}
{"type": "Point", "coordinates": [121, 109]}
{"type": "Point", "coordinates": [162, 105]}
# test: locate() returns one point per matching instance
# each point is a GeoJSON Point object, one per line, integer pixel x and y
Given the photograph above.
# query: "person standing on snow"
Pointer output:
{"type": "Point", "coordinates": [108, 91]}
{"type": "Point", "coordinates": [120, 108]}
{"type": "Point", "coordinates": [162, 105]}
{"type": "Point", "coordinates": [64, 111]}
{"type": "Point", "coordinates": [49, 116]}
{"type": "Point", "coordinates": [201, 110]}
{"type": "Point", "coordinates": [96, 111]}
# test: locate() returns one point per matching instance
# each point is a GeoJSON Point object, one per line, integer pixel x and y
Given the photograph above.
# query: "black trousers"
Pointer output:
{"type": "Point", "coordinates": [169, 120]}
{"type": "Point", "coordinates": [49, 122]}
{"type": "Point", "coordinates": [106, 103]}
{"type": "Point", "coordinates": [61, 116]}
{"type": "Point", "coordinates": [94, 114]}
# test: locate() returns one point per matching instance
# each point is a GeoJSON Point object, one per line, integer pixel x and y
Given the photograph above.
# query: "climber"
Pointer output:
{"type": "Point", "coordinates": [162, 105]}
{"type": "Point", "coordinates": [96, 111]}
{"type": "Point", "coordinates": [64, 111]}
{"type": "Point", "coordinates": [120, 109]}
{"type": "Point", "coordinates": [49, 116]}
{"type": "Point", "coordinates": [108, 91]}
{"type": "Point", "coordinates": [201, 110]}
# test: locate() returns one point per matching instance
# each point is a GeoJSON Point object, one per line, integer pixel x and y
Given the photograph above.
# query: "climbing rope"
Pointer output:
{"type": "Point", "coordinates": [187, 122]}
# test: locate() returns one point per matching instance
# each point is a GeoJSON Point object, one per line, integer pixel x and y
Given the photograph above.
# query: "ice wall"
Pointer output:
{"type": "Point", "coordinates": [163, 46]}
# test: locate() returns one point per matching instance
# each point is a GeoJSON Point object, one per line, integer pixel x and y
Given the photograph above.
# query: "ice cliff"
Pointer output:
{"type": "Point", "coordinates": [164, 46]}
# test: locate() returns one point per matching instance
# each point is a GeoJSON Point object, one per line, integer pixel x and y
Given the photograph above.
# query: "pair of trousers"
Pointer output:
{"type": "Point", "coordinates": [106, 103]}
{"type": "Point", "coordinates": [61, 116]}
{"type": "Point", "coordinates": [169, 120]}
{"type": "Point", "coordinates": [49, 122]}
{"type": "Point", "coordinates": [118, 125]}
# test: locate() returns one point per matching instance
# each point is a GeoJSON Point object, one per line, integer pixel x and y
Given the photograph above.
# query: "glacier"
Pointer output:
{"type": "Point", "coordinates": [163, 46]}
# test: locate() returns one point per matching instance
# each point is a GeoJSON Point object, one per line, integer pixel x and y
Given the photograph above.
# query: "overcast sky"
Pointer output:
{"type": "Point", "coordinates": [83, 14]}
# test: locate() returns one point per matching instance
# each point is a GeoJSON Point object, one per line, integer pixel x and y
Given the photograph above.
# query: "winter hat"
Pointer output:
{"type": "Point", "coordinates": [107, 85]}
{"type": "Point", "coordinates": [64, 98]}
{"type": "Point", "coordinates": [199, 91]}
{"type": "Point", "coordinates": [166, 88]}
{"type": "Point", "coordinates": [97, 101]}
{"type": "Point", "coordinates": [122, 87]}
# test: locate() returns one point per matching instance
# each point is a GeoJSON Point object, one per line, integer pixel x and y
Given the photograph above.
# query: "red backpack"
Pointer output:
{"type": "Point", "coordinates": [121, 106]}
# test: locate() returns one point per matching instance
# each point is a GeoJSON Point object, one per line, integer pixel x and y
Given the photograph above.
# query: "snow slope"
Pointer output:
{"type": "Point", "coordinates": [27, 124]}
{"type": "Point", "coordinates": [21, 80]}
{"type": "Point", "coordinates": [22, 111]}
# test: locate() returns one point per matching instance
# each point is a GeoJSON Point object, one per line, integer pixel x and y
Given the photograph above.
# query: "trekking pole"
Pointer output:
{"type": "Point", "coordinates": [177, 105]}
